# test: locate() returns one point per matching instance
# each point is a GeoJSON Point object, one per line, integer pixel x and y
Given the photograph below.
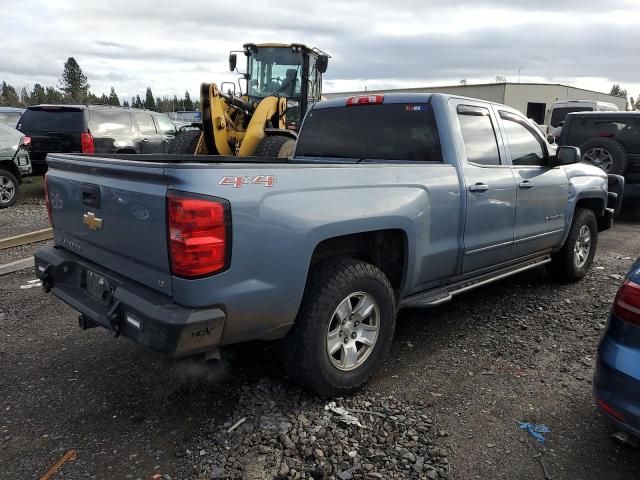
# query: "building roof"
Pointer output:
{"type": "Point", "coordinates": [429, 87]}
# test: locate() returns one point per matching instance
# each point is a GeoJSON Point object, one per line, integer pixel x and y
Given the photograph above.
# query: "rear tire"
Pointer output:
{"type": "Point", "coordinates": [185, 143]}
{"type": "Point", "coordinates": [606, 154]}
{"type": "Point", "coordinates": [278, 146]}
{"type": "Point", "coordinates": [9, 189]}
{"type": "Point", "coordinates": [572, 262]}
{"type": "Point", "coordinates": [343, 330]}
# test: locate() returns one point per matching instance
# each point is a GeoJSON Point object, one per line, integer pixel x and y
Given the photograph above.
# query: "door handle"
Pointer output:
{"type": "Point", "coordinates": [165, 140]}
{"type": "Point", "coordinates": [145, 140]}
{"type": "Point", "coordinates": [526, 184]}
{"type": "Point", "coordinates": [479, 187]}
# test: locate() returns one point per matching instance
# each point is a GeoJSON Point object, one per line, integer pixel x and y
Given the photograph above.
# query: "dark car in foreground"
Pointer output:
{"type": "Point", "coordinates": [94, 129]}
{"type": "Point", "coordinates": [616, 382]}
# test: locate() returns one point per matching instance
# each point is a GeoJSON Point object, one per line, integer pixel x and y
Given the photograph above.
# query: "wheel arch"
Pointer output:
{"type": "Point", "coordinates": [12, 168]}
{"type": "Point", "coordinates": [386, 249]}
{"type": "Point", "coordinates": [596, 204]}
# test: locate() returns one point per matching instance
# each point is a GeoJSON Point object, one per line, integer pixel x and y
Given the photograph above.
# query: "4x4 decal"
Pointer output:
{"type": "Point", "coordinates": [238, 182]}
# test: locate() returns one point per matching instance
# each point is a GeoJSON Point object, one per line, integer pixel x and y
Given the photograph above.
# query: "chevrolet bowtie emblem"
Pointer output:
{"type": "Point", "coordinates": [90, 220]}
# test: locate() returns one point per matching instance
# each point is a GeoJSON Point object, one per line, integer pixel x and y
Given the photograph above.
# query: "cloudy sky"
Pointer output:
{"type": "Point", "coordinates": [176, 45]}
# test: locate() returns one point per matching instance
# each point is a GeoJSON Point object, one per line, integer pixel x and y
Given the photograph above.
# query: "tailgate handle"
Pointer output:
{"type": "Point", "coordinates": [91, 195]}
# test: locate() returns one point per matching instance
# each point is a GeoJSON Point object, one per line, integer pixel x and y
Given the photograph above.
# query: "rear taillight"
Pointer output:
{"type": "Point", "coordinates": [605, 407]}
{"type": "Point", "coordinates": [86, 143]}
{"type": "Point", "coordinates": [198, 235]}
{"type": "Point", "coordinates": [46, 197]}
{"type": "Point", "coordinates": [25, 141]}
{"type": "Point", "coordinates": [365, 100]}
{"type": "Point", "coordinates": [627, 303]}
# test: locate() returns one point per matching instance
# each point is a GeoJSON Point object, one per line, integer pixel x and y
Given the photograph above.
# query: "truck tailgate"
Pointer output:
{"type": "Point", "coordinates": [113, 213]}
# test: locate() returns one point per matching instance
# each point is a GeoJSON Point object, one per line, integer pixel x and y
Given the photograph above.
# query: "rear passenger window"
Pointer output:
{"type": "Point", "coordinates": [526, 148]}
{"type": "Point", "coordinates": [145, 123]}
{"type": "Point", "coordinates": [165, 125]}
{"type": "Point", "coordinates": [478, 135]}
{"type": "Point", "coordinates": [388, 131]}
{"type": "Point", "coordinates": [109, 122]}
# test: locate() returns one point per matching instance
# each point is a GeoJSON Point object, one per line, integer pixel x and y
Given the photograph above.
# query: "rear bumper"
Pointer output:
{"type": "Point", "coordinates": [616, 383]}
{"type": "Point", "coordinates": [134, 311]}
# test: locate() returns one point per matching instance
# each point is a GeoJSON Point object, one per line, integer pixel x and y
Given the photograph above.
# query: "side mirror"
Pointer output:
{"type": "Point", "coordinates": [566, 156]}
{"type": "Point", "coordinates": [322, 63]}
{"type": "Point", "coordinates": [551, 139]}
{"type": "Point", "coordinates": [233, 60]}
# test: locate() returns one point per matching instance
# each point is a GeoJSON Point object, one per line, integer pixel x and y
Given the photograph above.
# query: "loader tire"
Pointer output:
{"type": "Point", "coordinates": [278, 146]}
{"type": "Point", "coordinates": [185, 143]}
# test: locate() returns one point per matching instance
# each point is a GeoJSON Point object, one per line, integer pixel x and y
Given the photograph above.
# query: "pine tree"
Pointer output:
{"type": "Point", "coordinates": [618, 91]}
{"type": "Point", "coordinates": [113, 98]}
{"type": "Point", "coordinates": [636, 105]}
{"type": "Point", "coordinates": [138, 102]}
{"type": "Point", "coordinates": [125, 104]}
{"type": "Point", "coordinates": [174, 103]}
{"type": "Point", "coordinates": [188, 104]}
{"type": "Point", "coordinates": [53, 96]}
{"type": "Point", "coordinates": [38, 95]}
{"type": "Point", "coordinates": [73, 82]}
{"type": "Point", "coordinates": [8, 95]}
{"type": "Point", "coordinates": [25, 100]}
{"type": "Point", "coordinates": [133, 101]}
{"type": "Point", "coordinates": [149, 101]}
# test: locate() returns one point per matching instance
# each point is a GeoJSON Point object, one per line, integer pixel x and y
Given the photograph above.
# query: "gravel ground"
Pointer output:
{"type": "Point", "coordinates": [29, 213]}
{"type": "Point", "coordinates": [446, 404]}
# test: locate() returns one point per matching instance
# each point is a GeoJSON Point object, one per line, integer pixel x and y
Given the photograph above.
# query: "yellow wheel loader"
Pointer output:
{"type": "Point", "coordinates": [281, 82]}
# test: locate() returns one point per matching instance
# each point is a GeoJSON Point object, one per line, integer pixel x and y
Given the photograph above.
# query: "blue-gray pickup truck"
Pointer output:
{"type": "Point", "coordinates": [389, 201]}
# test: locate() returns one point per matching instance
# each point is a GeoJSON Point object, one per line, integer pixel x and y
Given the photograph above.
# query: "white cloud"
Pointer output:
{"type": "Point", "coordinates": [172, 46]}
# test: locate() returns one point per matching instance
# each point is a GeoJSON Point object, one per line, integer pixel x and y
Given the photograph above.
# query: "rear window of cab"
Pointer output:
{"type": "Point", "coordinates": [394, 131]}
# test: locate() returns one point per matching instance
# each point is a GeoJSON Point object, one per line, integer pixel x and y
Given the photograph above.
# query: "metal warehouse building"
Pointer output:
{"type": "Point", "coordinates": [532, 99]}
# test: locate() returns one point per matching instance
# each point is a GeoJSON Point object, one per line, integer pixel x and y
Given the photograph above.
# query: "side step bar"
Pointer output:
{"type": "Point", "coordinates": [437, 296]}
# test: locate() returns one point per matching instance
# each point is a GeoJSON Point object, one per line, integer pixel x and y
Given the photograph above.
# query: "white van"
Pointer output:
{"type": "Point", "coordinates": [559, 110]}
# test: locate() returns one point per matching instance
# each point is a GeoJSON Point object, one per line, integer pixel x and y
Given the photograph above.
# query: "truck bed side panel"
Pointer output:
{"type": "Point", "coordinates": [276, 229]}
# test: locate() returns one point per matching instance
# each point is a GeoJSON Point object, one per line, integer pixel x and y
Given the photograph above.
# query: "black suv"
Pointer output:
{"type": "Point", "coordinates": [94, 129]}
{"type": "Point", "coordinates": [609, 140]}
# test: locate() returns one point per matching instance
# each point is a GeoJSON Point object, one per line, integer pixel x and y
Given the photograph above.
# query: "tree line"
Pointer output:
{"type": "Point", "coordinates": [73, 88]}
{"type": "Point", "coordinates": [618, 91]}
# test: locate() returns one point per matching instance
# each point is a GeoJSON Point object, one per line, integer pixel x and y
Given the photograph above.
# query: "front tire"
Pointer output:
{"type": "Point", "coordinates": [572, 262]}
{"type": "Point", "coordinates": [9, 189]}
{"type": "Point", "coordinates": [343, 330]}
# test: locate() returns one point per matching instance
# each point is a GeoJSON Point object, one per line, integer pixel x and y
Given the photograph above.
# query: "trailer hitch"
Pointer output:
{"type": "Point", "coordinates": [44, 274]}
{"type": "Point", "coordinates": [114, 318]}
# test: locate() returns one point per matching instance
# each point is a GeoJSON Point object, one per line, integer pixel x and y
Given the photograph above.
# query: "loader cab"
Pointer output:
{"type": "Point", "coordinates": [291, 71]}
